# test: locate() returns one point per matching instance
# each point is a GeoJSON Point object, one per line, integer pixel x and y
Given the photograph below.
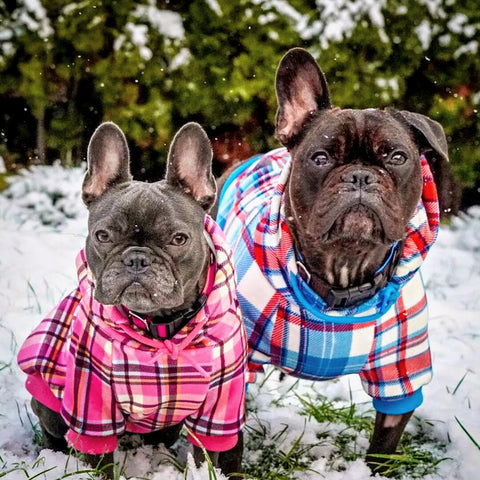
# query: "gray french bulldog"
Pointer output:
{"type": "Point", "coordinates": [134, 349]}
{"type": "Point", "coordinates": [328, 235]}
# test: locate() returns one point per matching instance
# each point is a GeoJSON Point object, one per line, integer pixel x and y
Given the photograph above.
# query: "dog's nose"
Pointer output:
{"type": "Point", "coordinates": [136, 259]}
{"type": "Point", "coordinates": [359, 177]}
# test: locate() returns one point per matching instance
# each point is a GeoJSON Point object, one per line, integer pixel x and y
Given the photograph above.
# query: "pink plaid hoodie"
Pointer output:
{"type": "Point", "coordinates": [105, 376]}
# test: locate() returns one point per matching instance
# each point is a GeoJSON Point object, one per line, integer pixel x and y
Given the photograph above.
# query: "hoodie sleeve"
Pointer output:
{"type": "Point", "coordinates": [221, 417]}
{"type": "Point", "coordinates": [89, 407]}
{"type": "Point", "coordinates": [42, 354]}
{"type": "Point", "coordinates": [400, 364]}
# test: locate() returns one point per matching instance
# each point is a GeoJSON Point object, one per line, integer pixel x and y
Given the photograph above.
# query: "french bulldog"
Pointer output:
{"type": "Point", "coordinates": [328, 235]}
{"type": "Point", "coordinates": [152, 337]}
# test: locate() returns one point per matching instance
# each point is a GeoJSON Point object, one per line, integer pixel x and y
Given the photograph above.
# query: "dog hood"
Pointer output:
{"type": "Point", "coordinates": [289, 325]}
{"type": "Point", "coordinates": [91, 364]}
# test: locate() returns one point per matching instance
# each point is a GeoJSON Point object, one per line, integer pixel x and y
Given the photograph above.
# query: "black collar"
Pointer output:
{"type": "Point", "coordinates": [336, 297]}
{"type": "Point", "coordinates": [167, 326]}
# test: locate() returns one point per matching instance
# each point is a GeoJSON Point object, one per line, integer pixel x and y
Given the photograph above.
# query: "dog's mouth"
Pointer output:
{"type": "Point", "coordinates": [146, 297]}
{"type": "Point", "coordinates": [147, 292]}
{"type": "Point", "coordinates": [357, 223]}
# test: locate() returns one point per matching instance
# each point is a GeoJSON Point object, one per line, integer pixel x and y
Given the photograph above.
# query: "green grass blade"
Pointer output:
{"type": "Point", "coordinates": [468, 433]}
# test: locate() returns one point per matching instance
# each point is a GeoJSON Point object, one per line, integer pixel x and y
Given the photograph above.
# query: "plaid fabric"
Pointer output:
{"type": "Point", "coordinates": [384, 340]}
{"type": "Point", "coordinates": [108, 376]}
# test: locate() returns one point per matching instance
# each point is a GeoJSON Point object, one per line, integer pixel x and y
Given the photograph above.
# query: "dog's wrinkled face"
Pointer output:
{"type": "Point", "coordinates": [356, 178]}
{"type": "Point", "coordinates": [145, 244]}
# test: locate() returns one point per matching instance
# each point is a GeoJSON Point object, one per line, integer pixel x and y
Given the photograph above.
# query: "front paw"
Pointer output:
{"type": "Point", "coordinates": [229, 462]}
{"type": "Point", "coordinates": [381, 463]}
{"type": "Point", "coordinates": [103, 465]}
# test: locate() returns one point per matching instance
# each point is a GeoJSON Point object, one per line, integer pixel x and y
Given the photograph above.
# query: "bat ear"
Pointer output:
{"type": "Point", "coordinates": [430, 135]}
{"type": "Point", "coordinates": [432, 142]}
{"type": "Point", "coordinates": [302, 92]}
{"type": "Point", "coordinates": [189, 164]}
{"type": "Point", "coordinates": [108, 162]}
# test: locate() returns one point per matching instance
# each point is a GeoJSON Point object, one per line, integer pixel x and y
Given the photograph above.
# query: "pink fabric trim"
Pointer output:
{"type": "Point", "coordinates": [214, 444]}
{"type": "Point", "coordinates": [91, 445]}
{"type": "Point", "coordinates": [40, 390]}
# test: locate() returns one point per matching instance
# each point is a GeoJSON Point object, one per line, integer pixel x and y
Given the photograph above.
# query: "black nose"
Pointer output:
{"type": "Point", "coordinates": [359, 177]}
{"type": "Point", "coordinates": [136, 259]}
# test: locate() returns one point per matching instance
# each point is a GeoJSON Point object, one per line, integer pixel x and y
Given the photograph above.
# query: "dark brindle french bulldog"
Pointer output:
{"type": "Point", "coordinates": [328, 236]}
{"type": "Point", "coordinates": [152, 338]}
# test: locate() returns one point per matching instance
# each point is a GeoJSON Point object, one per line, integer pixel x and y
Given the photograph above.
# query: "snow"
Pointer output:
{"type": "Point", "coordinates": [435, 7]}
{"type": "Point", "coordinates": [215, 7]}
{"type": "Point", "coordinates": [469, 48]}
{"type": "Point", "coordinates": [37, 269]}
{"type": "Point", "coordinates": [168, 23]}
{"type": "Point", "coordinates": [34, 17]}
{"type": "Point", "coordinates": [424, 33]}
{"type": "Point", "coordinates": [336, 18]}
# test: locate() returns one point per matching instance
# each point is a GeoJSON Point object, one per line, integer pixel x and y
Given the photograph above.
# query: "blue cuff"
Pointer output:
{"type": "Point", "coordinates": [399, 406]}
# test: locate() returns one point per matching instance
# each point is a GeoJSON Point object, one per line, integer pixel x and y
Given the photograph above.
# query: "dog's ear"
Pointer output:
{"type": "Point", "coordinates": [302, 92]}
{"type": "Point", "coordinates": [108, 161]}
{"type": "Point", "coordinates": [432, 142]}
{"type": "Point", "coordinates": [430, 136]}
{"type": "Point", "coordinates": [189, 164]}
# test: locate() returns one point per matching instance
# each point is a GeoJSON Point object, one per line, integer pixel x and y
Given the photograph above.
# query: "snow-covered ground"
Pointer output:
{"type": "Point", "coordinates": [37, 269]}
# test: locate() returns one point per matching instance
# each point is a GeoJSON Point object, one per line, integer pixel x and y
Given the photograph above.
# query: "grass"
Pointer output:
{"type": "Point", "coordinates": [212, 475]}
{"type": "Point", "coordinates": [4, 181]}
{"type": "Point", "coordinates": [277, 458]}
{"type": "Point", "coordinates": [277, 452]}
{"type": "Point", "coordinates": [349, 426]}
{"type": "Point", "coordinates": [417, 455]}
{"type": "Point", "coordinates": [467, 433]}
{"type": "Point", "coordinates": [25, 470]}
{"type": "Point", "coordinates": [343, 431]}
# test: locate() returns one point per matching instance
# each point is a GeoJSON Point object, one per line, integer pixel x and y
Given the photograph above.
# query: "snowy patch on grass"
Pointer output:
{"type": "Point", "coordinates": [295, 429]}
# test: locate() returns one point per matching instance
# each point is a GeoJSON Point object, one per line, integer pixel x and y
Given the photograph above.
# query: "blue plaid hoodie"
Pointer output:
{"type": "Point", "coordinates": [384, 340]}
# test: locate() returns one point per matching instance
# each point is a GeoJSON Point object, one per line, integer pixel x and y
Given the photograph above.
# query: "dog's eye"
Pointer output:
{"type": "Point", "coordinates": [398, 158]}
{"type": "Point", "coordinates": [320, 159]}
{"type": "Point", "coordinates": [102, 236]}
{"type": "Point", "coordinates": [179, 239]}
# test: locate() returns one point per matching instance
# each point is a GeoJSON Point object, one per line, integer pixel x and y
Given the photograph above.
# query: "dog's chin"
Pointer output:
{"type": "Point", "coordinates": [357, 224]}
{"type": "Point", "coordinates": [141, 299]}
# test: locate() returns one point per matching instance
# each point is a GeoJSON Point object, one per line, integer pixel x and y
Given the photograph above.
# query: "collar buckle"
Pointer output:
{"type": "Point", "coordinates": [350, 297]}
{"type": "Point", "coordinates": [336, 297]}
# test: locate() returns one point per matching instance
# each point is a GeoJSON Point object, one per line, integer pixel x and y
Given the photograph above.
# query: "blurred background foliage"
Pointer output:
{"type": "Point", "coordinates": [151, 66]}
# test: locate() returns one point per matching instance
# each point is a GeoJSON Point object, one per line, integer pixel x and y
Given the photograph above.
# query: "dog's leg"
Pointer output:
{"type": "Point", "coordinates": [104, 463]}
{"type": "Point", "coordinates": [229, 461]}
{"type": "Point", "coordinates": [168, 436]}
{"type": "Point", "coordinates": [386, 435]}
{"type": "Point", "coordinates": [54, 430]}
{"type": "Point", "coordinates": [52, 425]}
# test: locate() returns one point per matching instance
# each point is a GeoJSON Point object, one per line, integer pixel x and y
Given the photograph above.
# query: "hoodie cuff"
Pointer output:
{"type": "Point", "coordinates": [399, 406]}
{"type": "Point", "coordinates": [39, 389]}
{"type": "Point", "coordinates": [214, 444]}
{"type": "Point", "coordinates": [91, 445]}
